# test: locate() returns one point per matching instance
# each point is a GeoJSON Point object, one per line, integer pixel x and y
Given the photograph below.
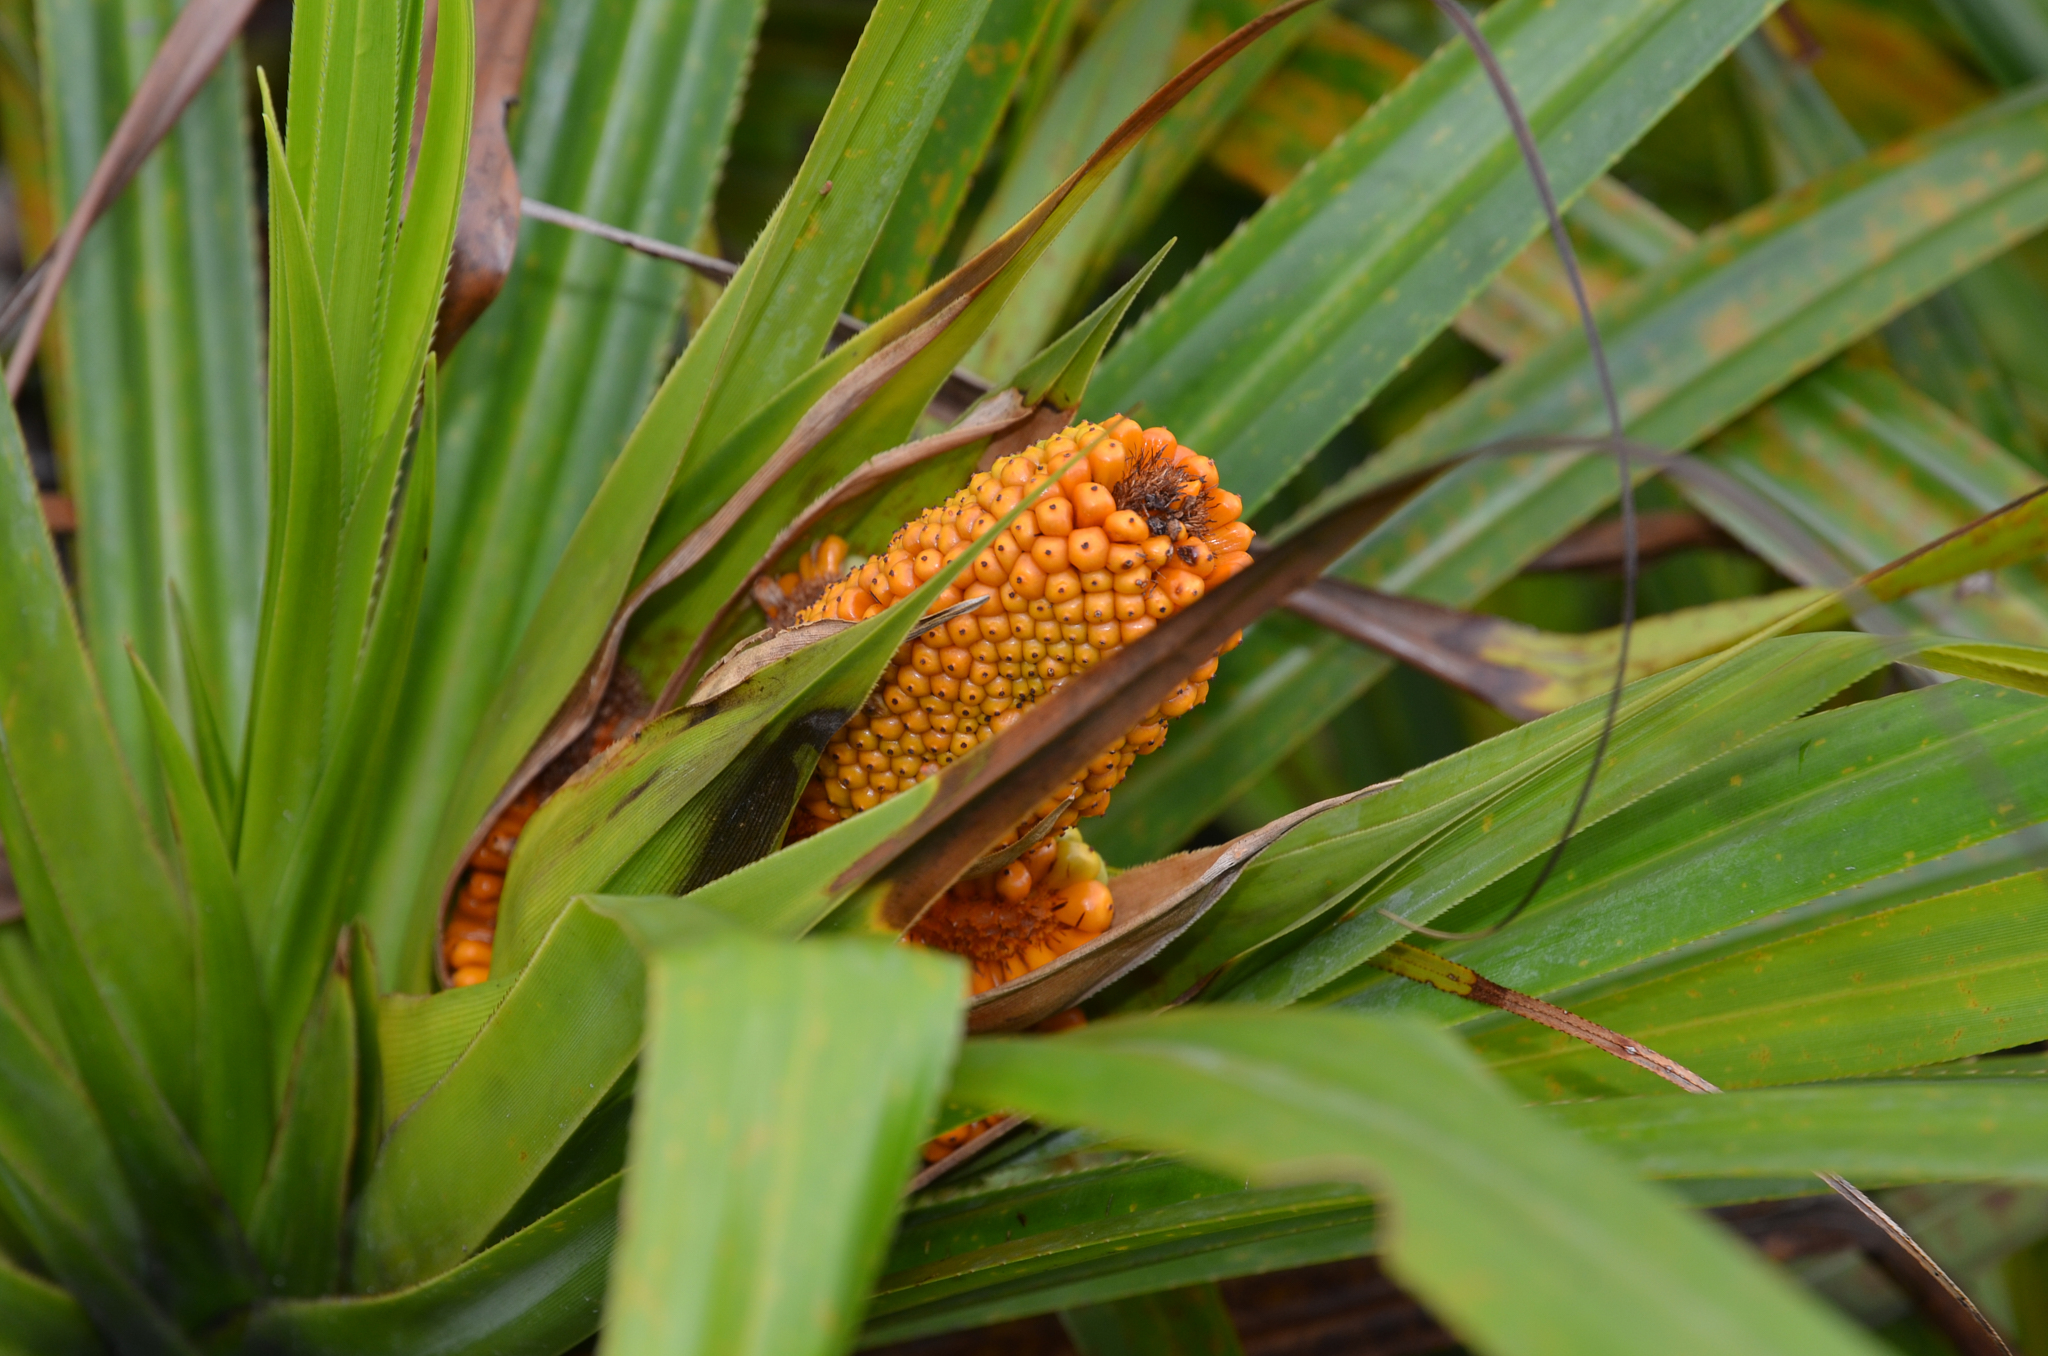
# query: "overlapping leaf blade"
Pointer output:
{"type": "Point", "coordinates": [155, 366]}
{"type": "Point", "coordinates": [1692, 346]}
{"type": "Point", "coordinates": [1767, 828]}
{"type": "Point", "coordinates": [1306, 1097]}
{"type": "Point", "coordinates": [1284, 333]}
{"type": "Point", "coordinates": [624, 120]}
{"type": "Point", "coordinates": [758, 1230]}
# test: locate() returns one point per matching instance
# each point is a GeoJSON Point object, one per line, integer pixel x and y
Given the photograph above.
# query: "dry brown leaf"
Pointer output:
{"type": "Point", "coordinates": [1441, 641]}
{"type": "Point", "coordinates": [487, 230]}
{"type": "Point", "coordinates": [1155, 903]}
{"type": "Point", "coordinates": [757, 652]}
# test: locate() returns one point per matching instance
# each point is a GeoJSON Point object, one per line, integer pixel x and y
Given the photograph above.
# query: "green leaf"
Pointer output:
{"type": "Point", "coordinates": [624, 120]}
{"type": "Point", "coordinates": [535, 1294]}
{"type": "Point", "coordinates": [192, 1247]}
{"type": "Point", "coordinates": [1869, 985]}
{"type": "Point", "coordinates": [64, 1186]}
{"type": "Point", "coordinates": [111, 932]}
{"type": "Point", "coordinates": [786, 893]}
{"type": "Point", "coordinates": [364, 1011]}
{"type": "Point", "coordinates": [1093, 1232]}
{"type": "Point", "coordinates": [73, 810]}
{"type": "Point", "coordinates": [1776, 825]}
{"type": "Point", "coordinates": [1186, 135]}
{"type": "Point", "coordinates": [1284, 333]}
{"type": "Point", "coordinates": [420, 1036]}
{"type": "Point", "coordinates": [459, 1158]}
{"type": "Point", "coordinates": [427, 235]}
{"type": "Point", "coordinates": [235, 1104]}
{"type": "Point", "coordinates": [1011, 36]}
{"type": "Point", "coordinates": [1189, 1322]}
{"type": "Point", "coordinates": [757, 1227]}
{"type": "Point", "coordinates": [1927, 1130]}
{"type": "Point", "coordinates": [1457, 826]}
{"type": "Point", "coordinates": [39, 1319]}
{"type": "Point", "coordinates": [1872, 470]}
{"type": "Point", "coordinates": [295, 1229]}
{"type": "Point", "coordinates": [108, 1294]}
{"type": "Point", "coordinates": [2017, 666]}
{"type": "Point", "coordinates": [1325, 85]}
{"type": "Point", "coordinates": [1936, 345]}
{"type": "Point", "coordinates": [1129, 54]}
{"type": "Point", "coordinates": [1765, 296]}
{"type": "Point", "coordinates": [154, 371]}
{"type": "Point", "coordinates": [1523, 1239]}
{"type": "Point", "coordinates": [319, 880]}
{"type": "Point", "coordinates": [353, 103]}
{"type": "Point", "coordinates": [298, 651]}
{"type": "Point", "coordinates": [216, 762]}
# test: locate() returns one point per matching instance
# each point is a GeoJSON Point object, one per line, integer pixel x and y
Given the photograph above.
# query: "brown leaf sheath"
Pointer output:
{"type": "Point", "coordinates": [487, 229]}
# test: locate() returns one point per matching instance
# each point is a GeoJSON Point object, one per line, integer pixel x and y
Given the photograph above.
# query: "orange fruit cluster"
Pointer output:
{"type": "Point", "coordinates": [473, 923]}
{"type": "Point", "coordinates": [471, 927]}
{"type": "Point", "coordinates": [1131, 528]}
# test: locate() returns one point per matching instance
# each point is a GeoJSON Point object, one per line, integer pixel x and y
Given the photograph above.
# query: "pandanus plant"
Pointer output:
{"type": "Point", "coordinates": [520, 838]}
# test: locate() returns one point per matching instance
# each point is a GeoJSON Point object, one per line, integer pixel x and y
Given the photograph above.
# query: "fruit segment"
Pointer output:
{"type": "Point", "coordinates": [1131, 527]}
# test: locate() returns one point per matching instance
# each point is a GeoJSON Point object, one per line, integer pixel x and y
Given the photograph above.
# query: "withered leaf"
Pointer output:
{"type": "Point", "coordinates": [487, 229]}
{"type": "Point", "coordinates": [1155, 903]}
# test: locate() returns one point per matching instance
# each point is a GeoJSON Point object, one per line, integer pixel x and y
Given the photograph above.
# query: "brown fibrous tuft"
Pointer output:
{"type": "Point", "coordinates": [1169, 497]}
{"type": "Point", "coordinates": [783, 606]}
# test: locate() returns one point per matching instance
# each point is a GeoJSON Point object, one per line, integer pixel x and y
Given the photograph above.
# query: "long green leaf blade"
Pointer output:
{"type": "Point", "coordinates": [154, 371]}
{"type": "Point", "coordinates": [624, 120]}
{"type": "Point", "coordinates": [295, 1228]}
{"type": "Point", "coordinates": [110, 884]}
{"type": "Point", "coordinates": [757, 1227]}
{"type": "Point", "coordinates": [1284, 333]}
{"type": "Point", "coordinates": [460, 1158]}
{"type": "Point", "coordinates": [234, 1031]}
{"type": "Point", "coordinates": [1523, 1239]}
{"type": "Point", "coordinates": [299, 658]}
{"type": "Point", "coordinates": [536, 1293]}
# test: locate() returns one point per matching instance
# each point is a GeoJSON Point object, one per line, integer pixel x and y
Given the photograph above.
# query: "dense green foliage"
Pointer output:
{"type": "Point", "coordinates": [332, 598]}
